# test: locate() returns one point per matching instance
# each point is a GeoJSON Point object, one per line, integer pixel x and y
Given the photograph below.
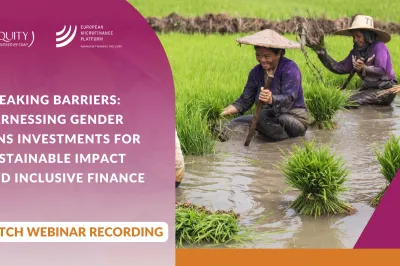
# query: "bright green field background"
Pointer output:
{"type": "Point", "coordinates": [211, 71]}
{"type": "Point", "coordinates": [385, 10]}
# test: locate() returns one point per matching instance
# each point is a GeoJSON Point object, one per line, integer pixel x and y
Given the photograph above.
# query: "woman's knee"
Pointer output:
{"type": "Point", "coordinates": [272, 130]}
{"type": "Point", "coordinates": [371, 97]}
{"type": "Point", "coordinates": [388, 98]}
{"type": "Point", "coordinates": [293, 126]}
{"type": "Point", "coordinates": [297, 130]}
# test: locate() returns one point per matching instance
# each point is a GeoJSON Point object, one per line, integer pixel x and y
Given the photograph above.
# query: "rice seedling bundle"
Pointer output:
{"type": "Point", "coordinates": [323, 103]}
{"type": "Point", "coordinates": [195, 225]}
{"type": "Point", "coordinates": [319, 175]}
{"type": "Point", "coordinates": [389, 160]}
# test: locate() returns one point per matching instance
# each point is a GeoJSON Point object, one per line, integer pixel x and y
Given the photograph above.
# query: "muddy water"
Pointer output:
{"type": "Point", "coordinates": [245, 180]}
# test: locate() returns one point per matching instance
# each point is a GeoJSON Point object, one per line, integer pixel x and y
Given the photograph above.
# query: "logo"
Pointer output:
{"type": "Point", "coordinates": [62, 37]}
{"type": "Point", "coordinates": [16, 38]}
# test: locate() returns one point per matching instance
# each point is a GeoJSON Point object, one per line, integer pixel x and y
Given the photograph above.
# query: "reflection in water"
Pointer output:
{"type": "Point", "coordinates": [245, 180]}
{"type": "Point", "coordinates": [319, 233]}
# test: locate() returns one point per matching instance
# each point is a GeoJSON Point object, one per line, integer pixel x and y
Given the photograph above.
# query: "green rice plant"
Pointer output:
{"type": "Point", "coordinates": [211, 112]}
{"type": "Point", "coordinates": [320, 177]}
{"type": "Point", "coordinates": [389, 160]}
{"type": "Point", "coordinates": [195, 225]}
{"type": "Point", "coordinates": [385, 10]}
{"type": "Point", "coordinates": [193, 130]}
{"type": "Point", "coordinates": [374, 202]}
{"type": "Point", "coordinates": [323, 103]}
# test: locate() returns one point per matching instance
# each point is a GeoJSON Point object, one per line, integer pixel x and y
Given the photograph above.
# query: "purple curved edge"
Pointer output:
{"type": "Point", "coordinates": [383, 229]}
{"type": "Point", "coordinates": [140, 75]}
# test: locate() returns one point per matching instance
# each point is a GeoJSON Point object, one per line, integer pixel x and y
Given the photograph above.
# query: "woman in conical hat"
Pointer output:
{"type": "Point", "coordinates": [284, 114]}
{"type": "Point", "coordinates": [369, 57]}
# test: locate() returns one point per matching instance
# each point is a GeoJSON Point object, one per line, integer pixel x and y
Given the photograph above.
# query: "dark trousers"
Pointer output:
{"type": "Point", "coordinates": [280, 127]}
{"type": "Point", "coordinates": [272, 126]}
{"type": "Point", "coordinates": [370, 97]}
{"type": "Point", "coordinates": [369, 94]}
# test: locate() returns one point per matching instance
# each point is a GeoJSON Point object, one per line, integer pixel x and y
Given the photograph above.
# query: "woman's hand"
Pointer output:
{"type": "Point", "coordinates": [359, 65]}
{"type": "Point", "coordinates": [265, 96]}
{"type": "Point", "coordinates": [229, 110]}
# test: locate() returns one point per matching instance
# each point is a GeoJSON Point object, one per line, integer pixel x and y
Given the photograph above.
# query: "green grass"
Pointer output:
{"type": "Point", "coordinates": [319, 175]}
{"type": "Point", "coordinates": [323, 103]}
{"type": "Point", "coordinates": [273, 10]}
{"type": "Point", "coordinates": [197, 226]}
{"type": "Point", "coordinates": [211, 71]}
{"type": "Point", "coordinates": [389, 160]}
{"type": "Point", "coordinates": [192, 128]}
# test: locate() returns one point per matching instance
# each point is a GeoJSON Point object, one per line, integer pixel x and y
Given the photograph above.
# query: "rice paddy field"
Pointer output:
{"type": "Point", "coordinates": [275, 10]}
{"type": "Point", "coordinates": [210, 72]}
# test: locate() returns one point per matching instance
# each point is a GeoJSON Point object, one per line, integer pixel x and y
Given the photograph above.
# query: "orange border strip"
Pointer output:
{"type": "Point", "coordinates": [293, 257]}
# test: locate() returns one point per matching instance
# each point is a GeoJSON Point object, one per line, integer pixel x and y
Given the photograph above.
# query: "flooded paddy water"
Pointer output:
{"type": "Point", "coordinates": [245, 180]}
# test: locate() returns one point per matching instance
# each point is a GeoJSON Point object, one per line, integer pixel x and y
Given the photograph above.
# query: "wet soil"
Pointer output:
{"type": "Point", "coordinates": [245, 180]}
{"type": "Point", "coordinates": [203, 209]}
{"type": "Point", "coordinates": [224, 24]}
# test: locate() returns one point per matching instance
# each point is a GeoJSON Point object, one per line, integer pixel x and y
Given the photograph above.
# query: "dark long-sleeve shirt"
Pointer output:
{"type": "Point", "coordinates": [286, 88]}
{"type": "Point", "coordinates": [379, 68]}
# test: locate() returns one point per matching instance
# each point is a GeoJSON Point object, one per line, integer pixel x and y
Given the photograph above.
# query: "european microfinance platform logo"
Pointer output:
{"type": "Point", "coordinates": [16, 38]}
{"type": "Point", "coordinates": [63, 37]}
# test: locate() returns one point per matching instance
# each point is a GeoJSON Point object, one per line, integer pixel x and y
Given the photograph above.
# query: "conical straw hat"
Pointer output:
{"type": "Point", "coordinates": [362, 22]}
{"type": "Point", "coordinates": [269, 39]}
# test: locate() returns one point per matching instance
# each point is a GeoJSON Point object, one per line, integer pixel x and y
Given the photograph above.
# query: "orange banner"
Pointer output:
{"type": "Point", "coordinates": [280, 257]}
